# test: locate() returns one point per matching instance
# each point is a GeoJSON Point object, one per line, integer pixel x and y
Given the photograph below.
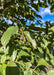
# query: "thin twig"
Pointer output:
{"type": "Point", "coordinates": [25, 66]}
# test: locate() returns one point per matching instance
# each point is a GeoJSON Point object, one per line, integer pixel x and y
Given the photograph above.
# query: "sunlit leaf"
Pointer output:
{"type": "Point", "coordinates": [51, 72]}
{"type": "Point", "coordinates": [52, 28]}
{"type": "Point", "coordinates": [7, 34]}
{"type": "Point", "coordinates": [13, 57]}
{"type": "Point", "coordinates": [43, 62]}
{"type": "Point", "coordinates": [30, 39]}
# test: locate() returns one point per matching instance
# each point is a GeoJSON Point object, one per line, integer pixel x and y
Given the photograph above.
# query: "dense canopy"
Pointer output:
{"type": "Point", "coordinates": [29, 48]}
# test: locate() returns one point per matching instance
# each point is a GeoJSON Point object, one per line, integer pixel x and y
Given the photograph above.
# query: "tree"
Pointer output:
{"type": "Point", "coordinates": [25, 46]}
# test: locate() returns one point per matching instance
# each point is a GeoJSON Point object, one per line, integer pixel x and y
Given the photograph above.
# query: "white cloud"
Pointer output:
{"type": "Point", "coordinates": [52, 22]}
{"type": "Point", "coordinates": [37, 1]}
{"type": "Point", "coordinates": [45, 11]}
{"type": "Point", "coordinates": [42, 21]}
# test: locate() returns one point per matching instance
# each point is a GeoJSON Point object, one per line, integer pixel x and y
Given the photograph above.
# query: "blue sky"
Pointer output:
{"type": "Point", "coordinates": [44, 12]}
{"type": "Point", "coordinates": [46, 15]}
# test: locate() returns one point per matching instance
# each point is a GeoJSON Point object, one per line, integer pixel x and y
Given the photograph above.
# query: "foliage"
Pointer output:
{"type": "Point", "coordinates": [27, 47]}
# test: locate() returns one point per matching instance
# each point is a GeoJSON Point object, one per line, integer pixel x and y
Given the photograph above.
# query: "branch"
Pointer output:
{"type": "Point", "coordinates": [36, 28]}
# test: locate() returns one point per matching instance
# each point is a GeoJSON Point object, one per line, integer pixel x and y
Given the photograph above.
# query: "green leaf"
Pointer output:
{"type": "Point", "coordinates": [29, 38]}
{"type": "Point", "coordinates": [51, 72]}
{"type": "Point", "coordinates": [13, 57]}
{"type": "Point", "coordinates": [52, 28]}
{"type": "Point", "coordinates": [11, 64]}
{"type": "Point", "coordinates": [45, 42]}
{"type": "Point", "coordinates": [3, 58]}
{"type": "Point", "coordinates": [7, 34]}
{"type": "Point", "coordinates": [28, 64]}
{"type": "Point", "coordinates": [3, 69]}
{"type": "Point", "coordinates": [44, 5]}
{"type": "Point", "coordinates": [52, 7]}
{"type": "Point", "coordinates": [1, 50]}
{"type": "Point", "coordinates": [22, 53]}
{"type": "Point", "coordinates": [6, 50]}
{"type": "Point", "coordinates": [26, 48]}
{"type": "Point", "coordinates": [43, 62]}
{"type": "Point", "coordinates": [36, 6]}
{"type": "Point", "coordinates": [40, 49]}
{"type": "Point", "coordinates": [28, 72]}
